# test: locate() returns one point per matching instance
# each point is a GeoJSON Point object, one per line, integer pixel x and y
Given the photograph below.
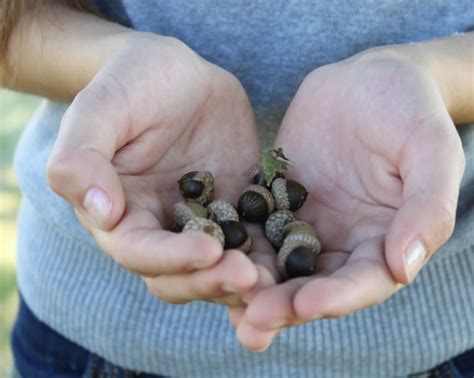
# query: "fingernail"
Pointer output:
{"type": "Point", "coordinates": [97, 206]}
{"type": "Point", "coordinates": [414, 258]}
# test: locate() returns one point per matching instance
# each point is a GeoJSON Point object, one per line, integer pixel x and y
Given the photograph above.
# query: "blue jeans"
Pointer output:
{"type": "Point", "coordinates": [41, 352]}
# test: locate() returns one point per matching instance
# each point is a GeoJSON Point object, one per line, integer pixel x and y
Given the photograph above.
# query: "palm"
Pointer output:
{"type": "Point", "coordinates": [353, 167]}
{"type": "Point", "coordinates": [382, 162]}
{"type": "Point", "coordinates": [154, 113]}
{"type": "Point", "coordinates": [220, 138]}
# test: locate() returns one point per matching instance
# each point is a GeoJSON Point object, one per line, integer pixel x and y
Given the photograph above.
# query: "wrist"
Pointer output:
{"type": "Point", "coordinates": [447, 62]}
{"type": "Point", "coordinates": [57, 51]}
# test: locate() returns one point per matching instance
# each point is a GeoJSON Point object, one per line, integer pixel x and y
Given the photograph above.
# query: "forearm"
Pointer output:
{"type": "Point", "coordinates": [58, 50]}
{"type": "Point", "coordinates": [450, 62]}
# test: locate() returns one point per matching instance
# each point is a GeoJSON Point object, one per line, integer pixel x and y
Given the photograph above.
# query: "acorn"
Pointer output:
{"type": "Point", "coordinates": [197, 187]}
{"type": "Point", "coordinates": [185, 211]}
{"type": "Point", "coordinates": [236, 236]}
{"type": "Point", "coordinates": [301, 237]}
{"type": "Point", "coordinates": [274, 226]}
{"type": "Point", "coordinates": [256, 204]}
{"type": "Point", "coordinates": [207, 226]}
{"type": "Point", "coordinates": [220, 211]}
{"type": "Point", "coordinates": [257, 177]}
{"type": "Point", "coordinates": [299, 259]}
{"type": "Point", "coordinates": [288, 194]}
{"type": "Point", "coordinates": [300, 262]}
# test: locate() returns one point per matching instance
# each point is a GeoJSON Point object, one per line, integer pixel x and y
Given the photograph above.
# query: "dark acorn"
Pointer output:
{"type": "Point", "coordinates": [197, 186]}
{"type": "Point", "coordinates": [297, 194]}
{"type": "Point", "coordinates": [252, 207]}
{"type": "Point", "coordinates": [289, 194]}
{"type": "Point", "coordinates": [255, 204]}
{"type": "Point", "coordinates": [191, 189]}
{"type": "Point", "coordinates": [300, 262]}
{"type": "Point", "coordinates": [236, 235]}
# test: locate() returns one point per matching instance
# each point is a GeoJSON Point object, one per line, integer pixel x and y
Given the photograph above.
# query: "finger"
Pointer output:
{"type": "Point", "coordinates": [431, 169]}
{"type": "Point", "coordinates": [265, 279]}
{"type": "Point", "coordinates": [235, 314]}
{"type": "Point", "coordinates": [80, 168]}
{"type": "Point", "coordinates": [273, 308]}
{"type": "Point", "coordinates": [229, 300]}
{"type": "Point", "coordinates": [363, 281]}
{"type": "Point", "coordinates": [253, 338]}
{"type": "Point", "coordinates": [263, 252]}
{"type": "Point", "coordinates": [140, 245]}
{"type": "Point", "coordinates": [235, 273]}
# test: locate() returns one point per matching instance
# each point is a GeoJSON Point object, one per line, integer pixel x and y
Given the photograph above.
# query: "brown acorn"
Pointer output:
{"type": "Point", "coordinates": [256, 203]}
{"type": "Point", "coordinates": [236, 236]}
{"type": "Point", "coordinates": [185, 211]}
{"type": "Point", "coordinates": [300, 262]}
{"type": "Point", "coordinates": [207, 226]}
{"type": "Point", "coordinates": [220, 211]}
{"type": "Point", "coordinates": [288, 194]}
{"type": "Point", "coordinates": [197, 186]}
{"type": "Point", "coordinates": [274, 226]}
{"type": "Point", "coordinates": [301, 237]}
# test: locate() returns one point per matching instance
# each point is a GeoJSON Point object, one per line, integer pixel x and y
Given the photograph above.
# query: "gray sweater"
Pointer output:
{"type": "Point", "coordinates": [270, 46]}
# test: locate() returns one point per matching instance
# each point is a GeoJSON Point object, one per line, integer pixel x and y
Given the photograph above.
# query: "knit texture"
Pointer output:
{"type": "Point", "coordinates": [79, 291]}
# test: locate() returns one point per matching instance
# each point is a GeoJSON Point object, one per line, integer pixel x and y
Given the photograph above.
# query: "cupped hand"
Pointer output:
{"type": "Point", "coordinates": [153, 113]}
{"type": "Point", "coordinates": [382, 161]}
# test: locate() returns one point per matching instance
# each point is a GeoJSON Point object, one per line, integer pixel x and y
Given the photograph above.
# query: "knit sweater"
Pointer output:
{"type": "Point", "coordinates": [71, 285]}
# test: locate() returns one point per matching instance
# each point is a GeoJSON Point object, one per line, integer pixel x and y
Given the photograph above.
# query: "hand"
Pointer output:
{"type": "Point", "coordinates": [154, 112]}
{"type": "Point", "coordinates": [382, 161]}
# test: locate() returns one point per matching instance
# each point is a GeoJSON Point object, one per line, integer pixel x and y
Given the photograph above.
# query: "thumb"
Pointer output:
{"type": "Point", "coordinates": [431, 169]}
{"type": "Point", "coordinates": [80, 168]}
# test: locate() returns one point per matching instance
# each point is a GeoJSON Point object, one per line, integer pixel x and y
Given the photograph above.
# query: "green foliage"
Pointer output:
{"type": "Point", "coordinates": [274, 162]}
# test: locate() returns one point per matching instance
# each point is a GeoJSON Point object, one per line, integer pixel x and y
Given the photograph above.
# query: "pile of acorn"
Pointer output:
{"type": "Point", "coordinates": [270, 200]}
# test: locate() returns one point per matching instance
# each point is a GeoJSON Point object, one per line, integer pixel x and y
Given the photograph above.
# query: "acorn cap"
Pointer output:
{"type": "Point", "coordinates": [298, 227]}
{"type": "Point", "coordinates": [288, 194]}
{"type": "Point", "coordinates": [236, 236]}
{"type": "Point", "coordinates": [207, 226]}
{"type": "Point", "coordinates": [256, 175]}
{"type": "Point", "coordinates": [274, 226]}
{"type": "Point", "coordinates": [220, 211]}
{"type": "Point", "coordinates": [185, 211]}
{"type": "Point", "coordinates": [197, 186]}
{"type": "Point", "coordinates": [256, 204]}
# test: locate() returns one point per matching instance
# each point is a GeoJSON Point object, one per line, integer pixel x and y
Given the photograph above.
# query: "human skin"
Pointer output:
{"type": "Point", "coordinates": [146, 110]}
{"type": "Point", "coordinates": [113, 125]}
{"type": "Point", "coordinates": [383, 177]}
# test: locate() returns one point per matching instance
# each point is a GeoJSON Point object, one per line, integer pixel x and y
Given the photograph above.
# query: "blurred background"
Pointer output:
{"type": "Point", "coordinates": [15, 111]}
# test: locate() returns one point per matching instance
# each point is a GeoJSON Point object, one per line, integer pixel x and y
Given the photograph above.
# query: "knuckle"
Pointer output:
{"type": "Point", "coordinates": [58, 172]}
{"type": "Point", "coordinates": [445, 213]}
{"type": "Point", "coordinates": [96, 93]}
